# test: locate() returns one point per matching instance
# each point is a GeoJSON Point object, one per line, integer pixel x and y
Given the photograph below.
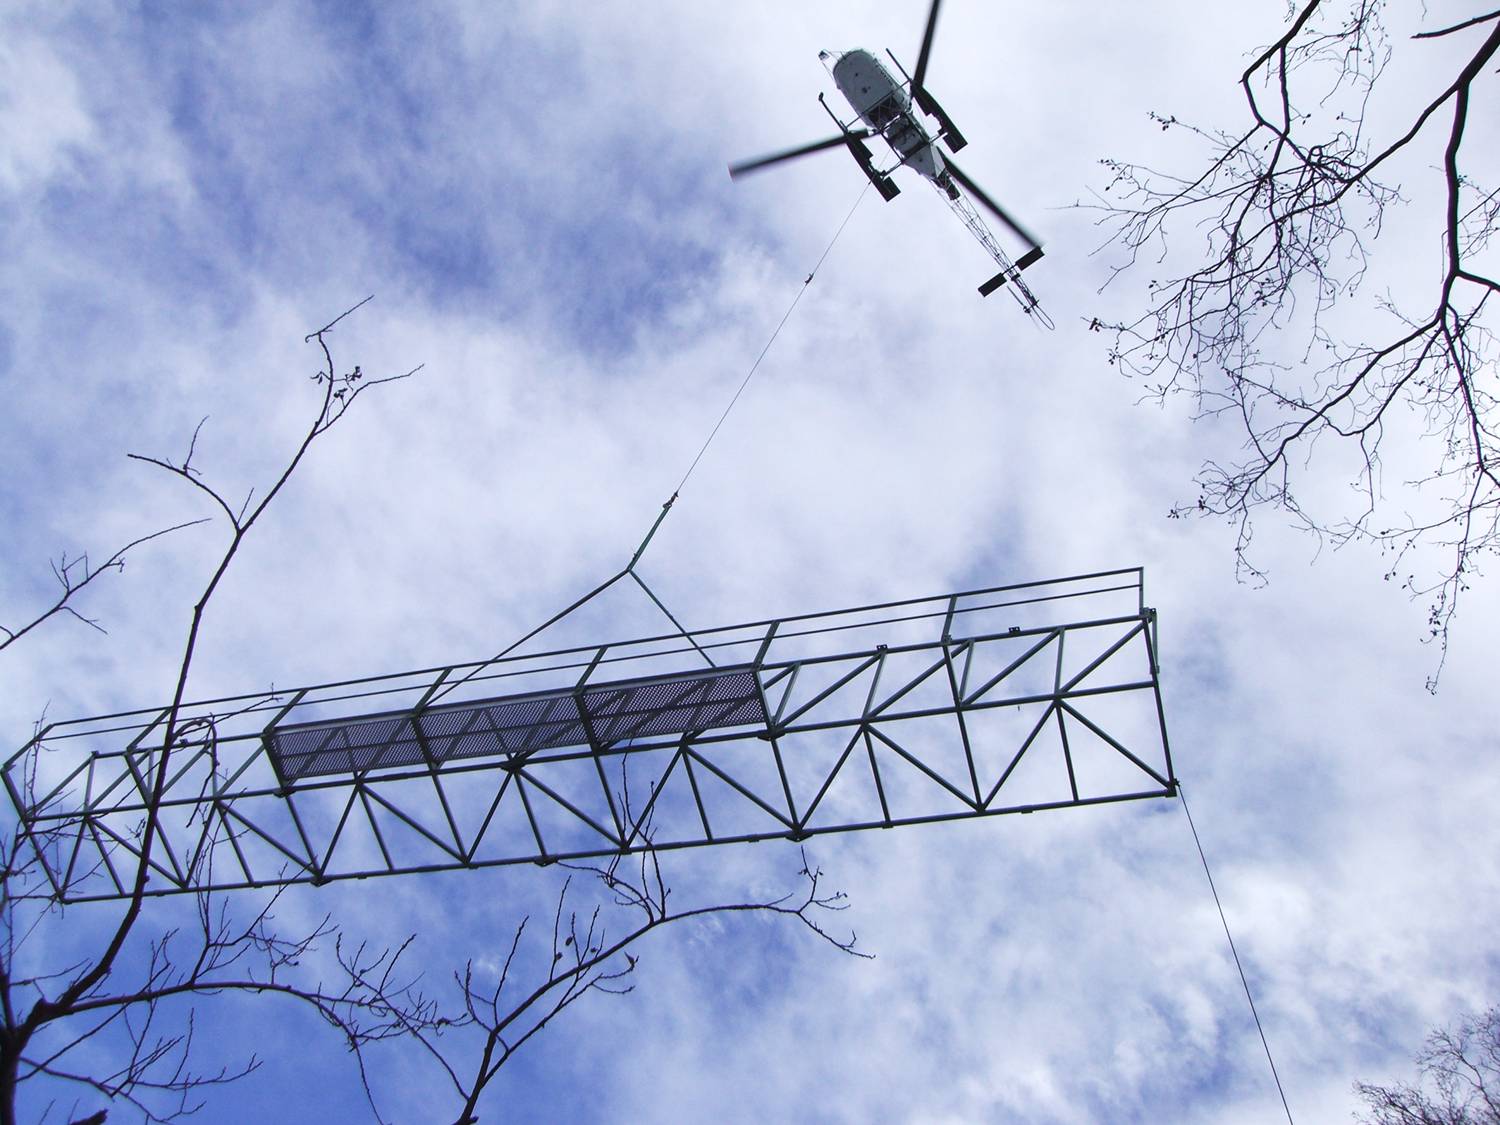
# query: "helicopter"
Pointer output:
{"type": "Point", "coordinates": [888, 109]}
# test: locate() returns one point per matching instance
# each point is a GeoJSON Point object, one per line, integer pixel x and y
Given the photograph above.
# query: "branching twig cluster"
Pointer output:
{"type": "Point", "coordinates": [1460, 1082]}
{"type": "Point", "coordinates": [73, 575]}
{"type": "Point", "coordinates": [588, 951]}
{"type": "Point", "coordinates": [133, 998]}
{"type": "Point", "coordinates": [1291, 210]}
{"type": "Point", "coordinates": [137, 1001]}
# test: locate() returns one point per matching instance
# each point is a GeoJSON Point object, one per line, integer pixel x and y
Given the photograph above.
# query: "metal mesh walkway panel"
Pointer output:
{"type": "Point", "coordinates": [512, 726]}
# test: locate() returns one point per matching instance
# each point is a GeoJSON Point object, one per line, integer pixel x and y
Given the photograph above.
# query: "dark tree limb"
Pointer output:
{"type": "Point", "coordinates": [587, 958]}
{"type": "Point", "coordinates": [104, 1001]}
{"type": "Point", "coordinates": [73, 575]}
{"type": "Point", "coordinates": [1258, 332]}
{"type": "Point", "coordinates": [134, 1002]}
{"type": "Point", "coordinates": [1459, 1080]}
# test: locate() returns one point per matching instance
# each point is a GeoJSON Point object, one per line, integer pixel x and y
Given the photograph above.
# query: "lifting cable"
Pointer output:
{"type": "Point", "coordinates": [666, 507]}
{"type": "Point", "coordinates": [1182, 796]}
{"type": "Point", "coordinates": [756, 365]}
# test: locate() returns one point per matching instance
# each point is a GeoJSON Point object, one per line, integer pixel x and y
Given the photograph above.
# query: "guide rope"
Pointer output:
{"type": "Point", "coordinates": [666, 507]}
{"type": "Point", "coordinates": [1182, 796]}
{"type": "Point", "coordinates": [801, 289]}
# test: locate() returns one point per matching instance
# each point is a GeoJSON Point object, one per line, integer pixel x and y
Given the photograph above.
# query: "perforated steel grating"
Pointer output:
{"type": "Point", "coordinates": [646, 708]}
{"type": "Point", "coordinates": [518, 725]}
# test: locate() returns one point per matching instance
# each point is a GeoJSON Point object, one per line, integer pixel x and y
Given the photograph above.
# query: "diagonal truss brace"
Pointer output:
{"type": "Point", "coordinates": [938, 709]}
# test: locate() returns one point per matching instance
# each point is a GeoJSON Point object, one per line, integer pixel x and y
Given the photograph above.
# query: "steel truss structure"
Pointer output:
{"type": "Point", "coordinates": [1010, 699]}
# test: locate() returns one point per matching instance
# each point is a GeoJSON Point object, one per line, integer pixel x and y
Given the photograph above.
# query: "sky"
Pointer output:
{"type": "Point", "coordinates": [538, 201]}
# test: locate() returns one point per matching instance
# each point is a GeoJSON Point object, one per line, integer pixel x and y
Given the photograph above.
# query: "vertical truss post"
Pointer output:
{"type": "Point", "coordinates": [592, 736]}
{"type": "Point", "coordinates": [265, 737]}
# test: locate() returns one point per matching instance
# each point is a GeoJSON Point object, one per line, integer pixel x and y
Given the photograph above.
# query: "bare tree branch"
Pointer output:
{"type": "Point", "coordinates": [76, 1005]}
{"type": "Point", "coordinates": [135, 1001]}
{"type": "Point", "coordinates": [75, 574]}
{"type": "Point", "coordinates": [1258, 334]}
{"type": "Point", "coordinates": [585, 958]}
{"type": "Point", "coordinates": [1459, 1082]}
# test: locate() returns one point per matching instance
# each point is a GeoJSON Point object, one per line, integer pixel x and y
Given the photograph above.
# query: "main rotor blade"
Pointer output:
{"type": "Point", "coordinates": [921, 72]}
{"type": "Point", "coordinates": [737, 170]}
{"type": "Point", "coordinates": [1000, 212]}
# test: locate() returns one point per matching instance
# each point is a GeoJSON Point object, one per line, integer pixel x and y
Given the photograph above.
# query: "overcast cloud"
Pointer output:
{"type": "Point", "coordinates": [539, 203]}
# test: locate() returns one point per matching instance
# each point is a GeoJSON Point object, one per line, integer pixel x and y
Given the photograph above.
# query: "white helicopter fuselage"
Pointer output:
{"type": "Point", "coordinates": [896, 112]}
{"type": "Point", "coordinates": [884, 105]}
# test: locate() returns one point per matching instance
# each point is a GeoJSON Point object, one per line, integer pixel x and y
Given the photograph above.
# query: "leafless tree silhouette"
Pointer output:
{"type": "Point", "coordinates": [493, 1010]}
{"type": "Point", "coordinates": [1459, 1084]}
{"type": "Point", "coordinates": [116, 1017]}
{"type": "Point", "coordinates": [121, 1000]}
{"type": "Point", "coordinates": [1361, 415]}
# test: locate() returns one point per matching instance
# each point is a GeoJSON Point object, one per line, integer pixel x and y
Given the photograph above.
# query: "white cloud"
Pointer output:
{"type": "Point", "coordinates": [539, 203]}
{"type": "Point", "coordinates": [42, 119]}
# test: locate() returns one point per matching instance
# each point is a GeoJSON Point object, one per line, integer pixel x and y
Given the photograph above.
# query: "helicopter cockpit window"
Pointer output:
{"type": "Point", "coordinates": [883, 112]}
